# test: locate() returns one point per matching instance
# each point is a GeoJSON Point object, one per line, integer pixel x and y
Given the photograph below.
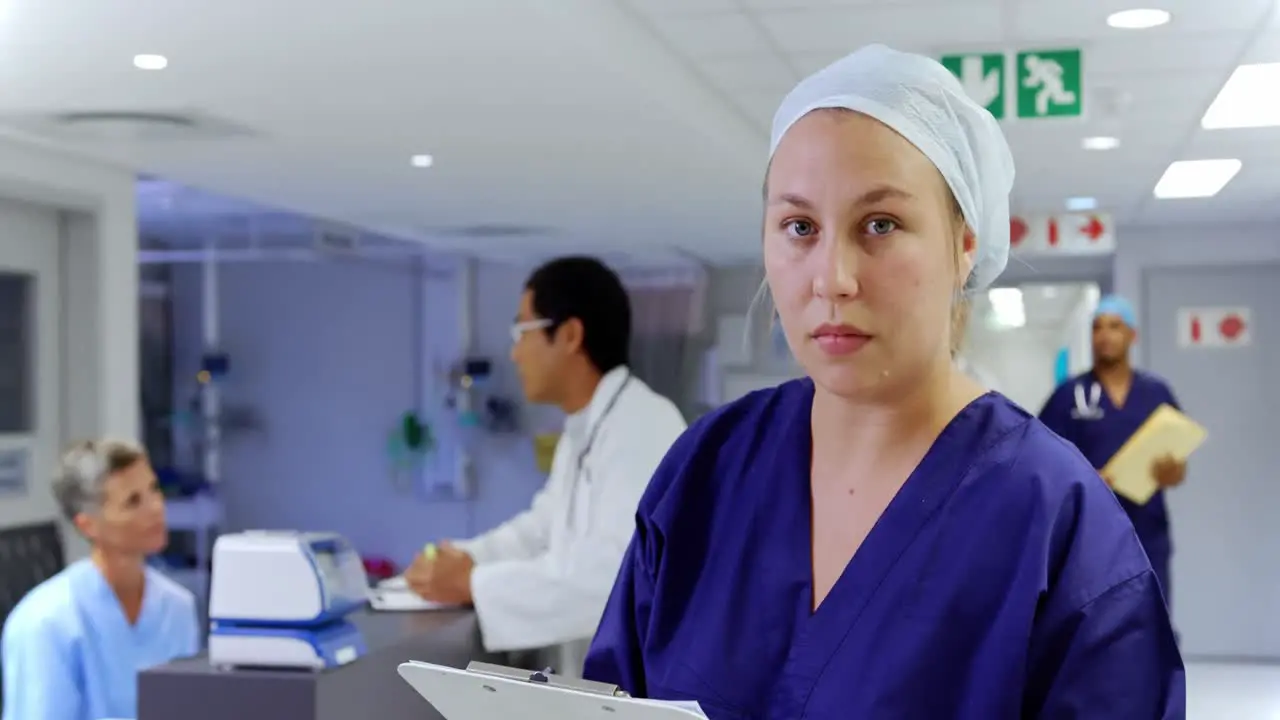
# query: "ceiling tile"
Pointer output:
{"type": "Point", "coordinates": [760, 107]}
{"type": "Point", "coordinates": [763, 72]}
{"type": "Point", "coordinates": [1266, 49]}
{"type": "Point", "coordinates": [1165, 52]}
{"type": "Point", "coordinates": [711, 35]}
{"type": "Point", "coordinates": [811, 4]}
{"type": "Point", "coordinates": [842, 30]}
{"type": "Point", "coordinates": [1254, 145]}
{"type": "Point", "coordinates": [1057, 21]}
{"type": "Point", "coordinates": [1147, 92]}
{"type": "Point", "coordinates": [681, 7]}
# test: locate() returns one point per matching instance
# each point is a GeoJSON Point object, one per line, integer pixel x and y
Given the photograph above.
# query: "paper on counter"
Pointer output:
{"type": "Point", "coordinates": [403, 600]}
{"type": "Point", "coordinates": [1166, 432]}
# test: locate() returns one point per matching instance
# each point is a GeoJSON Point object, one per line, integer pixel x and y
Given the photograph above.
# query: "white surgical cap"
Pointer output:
{"type": "Point", "coordinates": [923, 102]}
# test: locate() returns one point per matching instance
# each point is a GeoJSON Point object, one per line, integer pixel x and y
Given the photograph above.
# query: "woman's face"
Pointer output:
{"type": "Point", "coordinates": [860, 241]}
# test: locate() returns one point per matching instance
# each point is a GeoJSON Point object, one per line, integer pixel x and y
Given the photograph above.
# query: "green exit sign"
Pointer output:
{"type": "Point", "coordinates": [983, 78]}
{"type": "Point", "coordinates": [1040, 83]}
{"type": "Point", "coordinates": [1050, 84]}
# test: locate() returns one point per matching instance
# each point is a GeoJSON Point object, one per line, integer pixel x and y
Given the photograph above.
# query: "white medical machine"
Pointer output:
{"type": "Point", "coordinates": [282, 600]}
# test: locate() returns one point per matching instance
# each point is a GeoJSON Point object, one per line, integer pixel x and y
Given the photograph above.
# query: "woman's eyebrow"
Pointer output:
{"type": "Point", "coordinates": [870, 197]}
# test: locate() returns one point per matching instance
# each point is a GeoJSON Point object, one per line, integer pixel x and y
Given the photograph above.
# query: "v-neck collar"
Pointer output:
{"type": "Point", "coordinates": [106, 599]}
{"type": "Point", "coordinates": [1106, 394]}
{"type": "Point", "coordinates": [820, 632]}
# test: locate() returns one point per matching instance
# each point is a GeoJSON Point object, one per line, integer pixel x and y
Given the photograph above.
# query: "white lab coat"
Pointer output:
{"type": "Point", "coordinates": [542, 580]}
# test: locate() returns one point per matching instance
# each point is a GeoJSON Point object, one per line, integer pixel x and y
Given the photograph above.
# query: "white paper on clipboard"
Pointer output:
{"type": "Point", "coordinates": [469, 695]}
{"type": "Point", "coordinates": [403, 600]}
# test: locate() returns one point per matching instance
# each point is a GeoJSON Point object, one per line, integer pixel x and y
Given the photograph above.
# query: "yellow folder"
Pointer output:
{"type": "Point", "coordinates": [1166, 432]}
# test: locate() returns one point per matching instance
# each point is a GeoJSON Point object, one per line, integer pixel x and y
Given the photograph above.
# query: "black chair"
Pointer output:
{"type": "Point", "coordinates": [29, 555]}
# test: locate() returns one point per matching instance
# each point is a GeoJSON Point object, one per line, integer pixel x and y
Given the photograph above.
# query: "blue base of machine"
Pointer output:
{"type": "Point", "coordinates": [335, 644]}
{"type": "Point", "coordinates": [335, 614]}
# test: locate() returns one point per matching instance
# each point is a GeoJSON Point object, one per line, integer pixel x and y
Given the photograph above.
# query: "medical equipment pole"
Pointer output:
{"type": "Point", "coordinates": [466, 334]}
{"type": "Point", "coordinates": [209, 390]}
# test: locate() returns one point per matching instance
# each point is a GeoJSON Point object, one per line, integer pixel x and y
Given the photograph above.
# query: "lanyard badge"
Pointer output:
{"type": "Point", "coordinates": [1089, 408]}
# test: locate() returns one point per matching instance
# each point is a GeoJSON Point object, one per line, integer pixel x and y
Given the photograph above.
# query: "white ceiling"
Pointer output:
{"type": "Point", "coordinates": [637, 126]}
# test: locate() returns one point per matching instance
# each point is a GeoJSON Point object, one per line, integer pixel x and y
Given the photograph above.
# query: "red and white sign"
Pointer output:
{"type": "Point", "coordinates": [1216, 327]}
{"type": "Point", "coordinates": [1068, 234]}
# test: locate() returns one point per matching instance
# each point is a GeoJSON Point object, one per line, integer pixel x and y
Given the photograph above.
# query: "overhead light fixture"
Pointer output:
{"type": "Point", "coordinates": [1081, 204]}
{"type": "Point", "coordinates": [1100, 142]}
{"type": "Point", "coordinates": [1007, 310]}
{"type": "Point", "coordinates": [1196, 178]}
{"type": "Point", "coordinates": [422, 161]}
{"type": "Point", "coordinates": [1139, 19]}
{"type": "Point", "coordinates": [150, 62]}
{"type": "Point", "coordinates": [1247, 100]}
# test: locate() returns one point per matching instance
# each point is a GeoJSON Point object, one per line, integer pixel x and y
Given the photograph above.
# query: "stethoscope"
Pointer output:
{"type": "Point", "coordinates": [1090, 409]}
{"type": "Point", "coordinates": [586, 449]}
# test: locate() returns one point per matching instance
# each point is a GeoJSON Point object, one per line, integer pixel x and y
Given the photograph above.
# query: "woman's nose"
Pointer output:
{"type": "Point", "coordinates": [837, 278]}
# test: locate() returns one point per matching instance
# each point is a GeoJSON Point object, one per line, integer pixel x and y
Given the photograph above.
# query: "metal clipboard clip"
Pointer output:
{"type": "Point", "coordinates": [545, 677]}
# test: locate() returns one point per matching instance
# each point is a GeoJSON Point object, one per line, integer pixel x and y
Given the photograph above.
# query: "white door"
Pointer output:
{"type": "Point", "coordinates": [30, 361]}
{"type": "Point", "coordinates": [1226, 579]}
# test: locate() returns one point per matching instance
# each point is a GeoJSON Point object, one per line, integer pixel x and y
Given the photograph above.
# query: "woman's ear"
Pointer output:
{"type": "Point", "coordinates": [968, 253]}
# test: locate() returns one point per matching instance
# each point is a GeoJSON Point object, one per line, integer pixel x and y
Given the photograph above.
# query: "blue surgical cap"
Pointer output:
{"type": "Point", "coordinates": [1118, 306]}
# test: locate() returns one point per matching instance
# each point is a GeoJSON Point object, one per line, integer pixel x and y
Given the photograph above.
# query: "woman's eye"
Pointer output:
{"type": "Point", "coordinates": [800, 228]}
{"type": "Point", "coordinates": [881, 226]}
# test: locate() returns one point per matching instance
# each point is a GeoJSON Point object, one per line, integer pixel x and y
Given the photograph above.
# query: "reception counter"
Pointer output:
{"type": "Point", "coordinates": [192, 689]}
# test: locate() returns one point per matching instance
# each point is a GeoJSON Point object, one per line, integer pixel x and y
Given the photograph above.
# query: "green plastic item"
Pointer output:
{"type": "Point", "coordinates": [413, 431]}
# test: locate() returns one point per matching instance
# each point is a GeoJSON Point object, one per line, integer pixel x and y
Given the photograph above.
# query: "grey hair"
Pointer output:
{"type": "Point", "coordinates": [85, 466]}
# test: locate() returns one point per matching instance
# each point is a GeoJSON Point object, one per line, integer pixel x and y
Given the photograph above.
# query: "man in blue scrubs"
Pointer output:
{"type": "Point", "coordinates": [1099, 410]}
{"type": "Point", "coordinates": [72, 648]}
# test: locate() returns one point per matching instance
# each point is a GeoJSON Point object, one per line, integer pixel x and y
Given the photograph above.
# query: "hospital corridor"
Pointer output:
{"type": "Point", "coordinates": [659, 359]}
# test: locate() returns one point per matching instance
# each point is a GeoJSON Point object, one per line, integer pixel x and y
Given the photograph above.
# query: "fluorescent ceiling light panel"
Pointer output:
{"type": "Point", "coordinates": [1080, 204]}
{"type": "Point", "coordinates": [1139, 19]}
{"type": "Point", "coordinates": [1101, 142]}
{"type": "Point", "coordinates": [1196, 178]}
{"type": "Point", "coordinates": [422, 161]}
{"type": "Point", "coordinates": [150, 62]}
{"type": "Point", "coordinates": [1249, 99]}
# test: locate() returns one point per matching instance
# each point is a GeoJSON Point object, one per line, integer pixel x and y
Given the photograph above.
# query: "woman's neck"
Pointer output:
{"type": "Point", "coordinates": [870, 429]}
{"type": "Point", "coordinates": [125, 574]}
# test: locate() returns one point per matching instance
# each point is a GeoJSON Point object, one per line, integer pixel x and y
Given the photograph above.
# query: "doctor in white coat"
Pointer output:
{"type": "Point", "coordinates": [541, 579]}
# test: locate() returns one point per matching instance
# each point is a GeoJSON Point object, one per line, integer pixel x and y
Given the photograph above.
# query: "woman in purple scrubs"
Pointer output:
{"type": "Point", "coordinates": [884, 538]}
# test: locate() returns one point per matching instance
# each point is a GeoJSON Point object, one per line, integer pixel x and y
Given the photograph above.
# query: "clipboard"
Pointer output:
{"type": "Point", "coordinates": [483, 691]}
{"type": "Point", "coordinates": [1165, 432]}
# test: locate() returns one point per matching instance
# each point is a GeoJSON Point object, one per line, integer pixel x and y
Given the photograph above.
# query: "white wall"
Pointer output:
{"type": "Point", "coordinates": [1020, 361]}
{"type": "Point", "coordinates": [96, 328]}
{"type": "Point", "coordinates": [1142, 249]}
{"type": "Point", "coordinates": [326, 355]}
{"type": "Point", "coordinates": [31, 247]}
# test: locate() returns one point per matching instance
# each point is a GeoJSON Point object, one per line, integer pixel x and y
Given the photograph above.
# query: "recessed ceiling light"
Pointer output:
{"type": "Point", "coordinates": [422, 161]}
{"type": "Point", "coordinates": [1139, 19]}
{"type": "Point", "coordinates": [1080, 204]}
{"type": "Point", "coordinates": [1100, 142]}
{"type": "Point", "coordinates": [150, 62]}
{"type": "Point", "coordinates": [1196, 178]}
{"type": "Point", "coordinates": [1247, 100]}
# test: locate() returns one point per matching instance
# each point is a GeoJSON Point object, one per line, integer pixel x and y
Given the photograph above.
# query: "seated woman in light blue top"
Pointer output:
{"type": "Point", "coordinates": [72, 648]}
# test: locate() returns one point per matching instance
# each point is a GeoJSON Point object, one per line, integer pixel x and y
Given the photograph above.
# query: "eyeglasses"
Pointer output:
{"type": "Point", "coordinates": [519, 329]}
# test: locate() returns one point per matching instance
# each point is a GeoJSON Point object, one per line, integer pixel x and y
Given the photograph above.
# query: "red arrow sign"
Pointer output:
{"type": "Point", "coordinates": [1017, 231]}
{"type": "Point", "coordinates": [1231, 326]}
{"type": "Point", "coordinates": [1093, 229]}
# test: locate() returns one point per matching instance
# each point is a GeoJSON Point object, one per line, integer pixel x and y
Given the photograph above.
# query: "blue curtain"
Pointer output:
{"type": "Point", "coordinates": [1062, 366]}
